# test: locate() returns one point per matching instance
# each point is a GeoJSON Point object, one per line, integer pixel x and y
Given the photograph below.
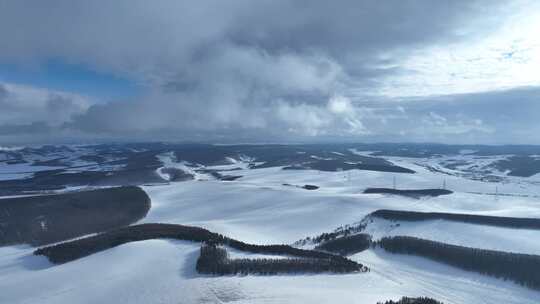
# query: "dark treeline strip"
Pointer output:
{"type": "Point", "coordinates": [415, 193]}
{"type": "Point", "coordinates": [306, 187]}
{"type": "Point", "coordinates": [342, 231]}
{"type": "Point", "coordinates": [520, 268]}
{"type": "Point", "coordinates": [39, 220]}
{"type": "Point", "coordinates": [72, 250]}
{"type": "Point", "coordinates": [499, 221]}
{"type": "Point", "coordinates": [333, 165]}
{"type": "Point", "coordinates": [407, 300]}
{"type": "Point", "coordinates": [347, 245]}
{"type": "Point", "coordinates": [215, 260]}
{"type": "Point", "coordinates": [218, 175]}
{"type": "Point", "coordinates": [398, 215]}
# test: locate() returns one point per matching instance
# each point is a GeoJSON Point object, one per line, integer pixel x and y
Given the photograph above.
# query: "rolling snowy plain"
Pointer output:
{"type": "Point", "coordinates": [262, 207]}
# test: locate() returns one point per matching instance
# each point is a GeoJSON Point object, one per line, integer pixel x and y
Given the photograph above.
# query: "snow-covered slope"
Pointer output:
{"type": "Point", "coordinates": [161, 271]}
{"type": "Point", "coordinates": [258, 208]}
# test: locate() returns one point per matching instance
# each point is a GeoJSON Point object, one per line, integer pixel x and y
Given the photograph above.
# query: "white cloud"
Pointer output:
{"type": "Point", "coordinates": [340, 105]}
{"type": "Point", "coordinates": [506, 58]}
{"type": "Point", "coordinates": [272, 69]}
{"type": "Point", "coordinates": [24, 105]}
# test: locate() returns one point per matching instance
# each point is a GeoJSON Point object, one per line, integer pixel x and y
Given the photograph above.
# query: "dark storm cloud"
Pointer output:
{"type": "Point", "coordinates": [3, 92]}
{"type": "Point", "coordinates": [25, 129]}
{"type": "Point", "coordinates": [4, 105]}
{"type": "Point", "coordinates": [245, 70]}
{"type": "Point", "coordinates": [57, 103]}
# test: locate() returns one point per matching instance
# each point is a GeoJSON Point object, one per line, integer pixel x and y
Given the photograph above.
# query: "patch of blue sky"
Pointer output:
{"type": "Point", "coordinates": [79, 79]}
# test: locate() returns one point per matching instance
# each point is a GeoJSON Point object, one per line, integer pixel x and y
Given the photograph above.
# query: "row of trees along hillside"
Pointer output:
{"type": "Point", "coordinates": [407, 300]}
{"type": "Point", "coordinates": [500, 221]}
{"type": "Point", "coordinates": [520, 268]}
{"type": "Point", "coordinates": [72, 250]}
{"type": "Point", "coordinates": [347, 245]}
{"type": "Point", "coordinates": [214, 260]}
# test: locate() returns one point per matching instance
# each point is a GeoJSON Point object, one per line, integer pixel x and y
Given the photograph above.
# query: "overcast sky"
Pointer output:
{"type": "Point", "coordinates": [270, 71]}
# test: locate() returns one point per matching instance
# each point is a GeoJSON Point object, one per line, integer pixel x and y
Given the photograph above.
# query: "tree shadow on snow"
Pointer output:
{"type": "Point", "coordinates": [188, 270]}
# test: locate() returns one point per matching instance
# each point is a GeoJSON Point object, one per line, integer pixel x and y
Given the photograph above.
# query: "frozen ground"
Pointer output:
{"type": "Point", "coordinates": [257, 208]}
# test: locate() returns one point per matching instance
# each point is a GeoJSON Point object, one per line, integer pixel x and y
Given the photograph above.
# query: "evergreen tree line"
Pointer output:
{"type": "Point", "coordinates": [341, 231]}
{"type": "Point", "coordinates": [413, 193]}
{"type": "Point", "coordinates": [499, 221]}
{"type": "Point", "coordinates": [72, 250]}
{"type": "Point", "coordinates": [45, 219]}
{"type": "Point", "coordinates": [520, 268]}
{"type": "Point", "coordinates": [407, 300]}
{"type": "Point", "coordinates": [214, 260]}
{"type": "Point", "coordinates": [347, 245]}
{"type": "Point", "coordinates": [398, 215]}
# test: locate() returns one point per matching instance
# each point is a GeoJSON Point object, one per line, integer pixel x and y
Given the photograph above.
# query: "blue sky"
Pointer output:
{"type": "Point", "coordinates": [59, 76]}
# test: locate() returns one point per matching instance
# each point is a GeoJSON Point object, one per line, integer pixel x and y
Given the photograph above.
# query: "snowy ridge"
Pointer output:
{"type": "Point", "coordinates": [169, 161]}
{"type": "Point", "coordinates": [258, 209]}
{"type": "Point", "coordinates": [461, 234]}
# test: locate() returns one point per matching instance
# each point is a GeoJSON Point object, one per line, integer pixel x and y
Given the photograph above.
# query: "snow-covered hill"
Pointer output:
{"type": "Point", "coordinates": [259, 208]}
{"type": "Point", "coordinates": [462, 234]}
